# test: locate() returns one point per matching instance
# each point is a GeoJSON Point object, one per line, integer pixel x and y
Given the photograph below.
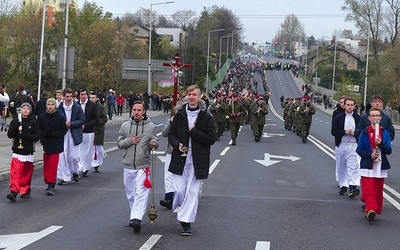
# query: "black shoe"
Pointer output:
{"type": "Point", "coordinates": [343, 191]}
{"type": "Point", "coordinates": [370, 215]}
{"type": "Point", "coordinates": [166, 203]}
{"type": "Point", "coordinates": [85, 173]}
{"type": "Point", "coordinates": [96, 169]}
{"type": "Point", "coordinates": [48, 187]}
{"type": "Point", "coordinates": [186, 230]}
{"type": "Point", "coordinates": [76, 177]}
{"type": "Point", "coordinates": [12, 196]}
{"type": "Point", "coordinates": [136, 225]}
{"type": "Point", "coordinates": [233, 142]}
{"type": "Point", "coordinates": [363, 207]}
{"type": "Point", "coordinates": [304, 140]}
{"type": "Point", "coordinates": [62, 182]}
{"type": "Point", "coordinates": [26, 195]}
{"type": "Point", "coordinates": [51, 191]}
{"type": "Point", "coordinates": [354, 192]}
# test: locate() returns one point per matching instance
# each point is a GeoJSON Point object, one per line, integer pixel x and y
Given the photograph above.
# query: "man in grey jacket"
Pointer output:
{"type": "Point", "coordinates": [137, 137]}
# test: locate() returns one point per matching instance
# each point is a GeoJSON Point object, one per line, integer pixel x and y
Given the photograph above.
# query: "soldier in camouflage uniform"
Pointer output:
{"type": "Point", "coordinates": [218, 110]}
{"type": "Point", "coordinates": [259, 110]}
{"type": "Point", "coordinates": [247, 102]}
{"type": "Point", "coordinates": [285, 113]}
{"type": "Point", "coordinates": [295, 117]}
{"type": "Point", "coordinates": [306, 111]}
{"type": "Point", "coordinates": [234, 111]}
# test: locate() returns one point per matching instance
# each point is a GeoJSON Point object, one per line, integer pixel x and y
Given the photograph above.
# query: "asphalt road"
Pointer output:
{"type": "Point", "coordinates": [279, 192]}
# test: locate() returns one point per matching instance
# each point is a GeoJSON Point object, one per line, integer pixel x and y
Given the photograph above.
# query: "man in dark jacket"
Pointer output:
{"type": "Point", "coordinates": [99, 131]}
{"type": "Point", "coordinates": [191, 135]}
{"type": "Point", "coordinates": [68, 165]}
{"type": "Point", "coordinates": [86, 148]}
{"type": "Point", "coordinates": [343, 128]}
{"type": "Point", "coordinates": [41, 106]}
{"type": "Point", "coordinates": [53, 128]}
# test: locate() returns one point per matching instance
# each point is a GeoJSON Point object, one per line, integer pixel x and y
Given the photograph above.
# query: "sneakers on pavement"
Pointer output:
{"type": "Point", "coordinates": [166, 203]}
{"type": "Point", "coordinates": [135, 224]}
{"type": "Point", "coordinates": [26, 195]}
{"type": "Point", "coordinates": [354, 192]}
{"type": "Point", "coordinates": [12, 196]}
{"type": "Point", "coordinates": [186, 230]}
{"type": "Point", "coordinates": [76, 177]}
{"type": "Point", "coordinates": [62, 182]}
{"type": "Point", "coordinates": [343, 191]}
{"type": "Point", "coordinates": [96, 169]}
{"type": "Point", "coordinates": [370, 215]}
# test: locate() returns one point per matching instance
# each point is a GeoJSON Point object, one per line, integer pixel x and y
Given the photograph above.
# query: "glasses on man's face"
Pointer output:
{"type": "Point", "coordinates": [376, 102]}
{"type": "Point", "coordinates": [375, 116]}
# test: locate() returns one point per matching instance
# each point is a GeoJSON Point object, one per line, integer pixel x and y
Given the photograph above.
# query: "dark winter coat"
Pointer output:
{"type": "Point", "coordinates": [52, 131]}
{"type": "Point", "coordinates": [338, 130]}
{"type": "Point", "coordinates": [77, 120]}
{"type": "Point", "coordinates": [203, 135]}
{"type": "Point", "coordinates": [100, 128]}
{"type": "Point", "coordinates": [30, 134]}
{"type": "Point", "coordinates": [91, 117]}
{"type": "Point", "coordinates": [364, 150]}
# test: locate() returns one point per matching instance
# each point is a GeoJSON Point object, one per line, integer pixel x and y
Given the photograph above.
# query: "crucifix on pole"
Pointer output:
{"type": "Point", "coordinates": [176, 66]}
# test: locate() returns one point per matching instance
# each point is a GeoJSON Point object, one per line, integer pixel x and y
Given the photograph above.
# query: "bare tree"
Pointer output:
{"type": "Point", "coordinates": [367, 16]}
{"type": "Point", "coordinates": [184, 18]}
{"type": "Point", "coordinates": [392, 18]}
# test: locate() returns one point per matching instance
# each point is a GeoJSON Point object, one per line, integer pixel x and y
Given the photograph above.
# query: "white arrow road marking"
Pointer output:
{"type": "Point", "coordinates": [263, 245]}
{"type": "Point", "coordinates": [268, 162]}
{"type": "Point", "coordinates": [290, 157]}
{"type": "Point", "coordinates": [272, 124]}
{"type": "Point", "coordinates": [267, 135]}
{"type": "Point", "coordinates": [14, 242]}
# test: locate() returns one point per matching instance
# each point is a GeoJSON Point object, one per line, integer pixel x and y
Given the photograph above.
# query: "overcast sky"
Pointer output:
{"type": "Point", "coordinates": [261, 19]}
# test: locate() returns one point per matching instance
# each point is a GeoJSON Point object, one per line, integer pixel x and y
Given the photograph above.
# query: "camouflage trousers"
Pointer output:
{"type": "Point", "coordinates": [234, 126]}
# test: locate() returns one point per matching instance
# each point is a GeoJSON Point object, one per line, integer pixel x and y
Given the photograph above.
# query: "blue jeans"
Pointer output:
{"type": "Point", "coordinates": [110, 111]}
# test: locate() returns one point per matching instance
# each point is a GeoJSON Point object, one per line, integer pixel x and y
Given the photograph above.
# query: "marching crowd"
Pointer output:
{"type": "Point", "coordinates": [71, 129]}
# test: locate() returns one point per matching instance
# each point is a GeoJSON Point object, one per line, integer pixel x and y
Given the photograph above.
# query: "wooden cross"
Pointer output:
{"type": "Point", "coordinates": [176, 66]}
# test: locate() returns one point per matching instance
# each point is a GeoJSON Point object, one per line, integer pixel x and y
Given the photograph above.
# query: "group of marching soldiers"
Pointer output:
{"type": "Point", "coordinates": [231, 111]}
{"type": "Point", "coordinates": [297, 115]}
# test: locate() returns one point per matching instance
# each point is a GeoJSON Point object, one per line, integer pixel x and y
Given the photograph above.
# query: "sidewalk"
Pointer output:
{"type": "Point", "coordinates": [6, 143]}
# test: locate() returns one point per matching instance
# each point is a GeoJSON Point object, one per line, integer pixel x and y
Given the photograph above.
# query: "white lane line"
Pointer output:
{"type": "Point", "coordinates": [263, 245]}
{"type": "Point", "coordinates": [225, 150]}
{"type": "Point", "coordinates": [111, 149]}
{"type": "Point", "coordinates": [158, 125]}
{"type": "Point", "coordinates": [394, 192]}
{"type": "Point", "coordinates": [213, 166]}
{"type": "Point", "coordinates": [391, 200]}
{"type": "Point", "coordinates": [158, 134]}
{"type": "Point", "coordinates": [149, 244]}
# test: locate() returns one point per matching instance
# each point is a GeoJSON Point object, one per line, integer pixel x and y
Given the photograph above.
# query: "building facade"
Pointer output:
{"type": "Point", "coordinates": [56, 5]}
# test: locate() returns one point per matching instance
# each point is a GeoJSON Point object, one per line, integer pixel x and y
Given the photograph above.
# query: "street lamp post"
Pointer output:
{"type": "Point", "coordinates": [219, 62]}
{"type": "Point", "coordinates": [41, 51]}
{"type": "Point", "coordinates": [366, 75]}
{"type": "Point", "coordinates": [208, 56]}
{"type": "Point", "coordinates": [334, 70]}
{"type": "Point", "coordinates": [151, 20]}
{"type": "Point", "coordinates": [232, 34]}
{"type": "Point", "coordinates": [64, 71]}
